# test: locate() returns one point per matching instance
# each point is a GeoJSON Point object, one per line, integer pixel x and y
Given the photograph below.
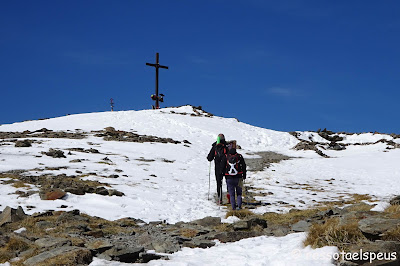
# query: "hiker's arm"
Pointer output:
{"type": "Point", "coordinates": [224, 165]}
{"type": "Point", "coordinates": [211, 154]}
{"type": "Point", "coordinates": [243, 163]}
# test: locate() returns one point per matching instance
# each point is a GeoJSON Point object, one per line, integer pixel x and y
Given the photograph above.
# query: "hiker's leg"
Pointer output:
{"type": "Point", "coordinates": [228, 196]}
{"type": "Point", "coordinates": [231, 189]}
{"type": "Point", "coordinates": [239, 193]}
{"type": "Point", "coordinates": [219, 187]}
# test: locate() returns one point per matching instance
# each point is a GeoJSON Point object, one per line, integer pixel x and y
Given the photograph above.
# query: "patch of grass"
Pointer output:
{"type": "Point", "coordinates": [243, 213]}
{"type": "Point", "coordinates": [224, 227]}
{"type": "Point", "coordinates": [393, 211]}
{"type": "Point", "coordinates": [68, 259]}
{"type": "Point", "coordinates": [360, 207]}
{"type": "Point", "coordinates": [361, 197]}
{"type": "Point", "coordinates": [16, 244]}
{"type": "Point", "coordinates": [289, 217]}
{"type": "Point", "coordinates": [19, 184]}
{"type": "Point", "coordinates": [392, 235]}
{"type": "Point", "coordinates": [332, 233]}
{"type": "Point", "coordinates": [6, 255]}
{"type": "Point", "coordinates": [188, 232]}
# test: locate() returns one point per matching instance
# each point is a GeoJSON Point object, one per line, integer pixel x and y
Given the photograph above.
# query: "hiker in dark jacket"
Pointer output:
{"type": "Point", "coordinates": [217, 153]}
{"type": "Point", "coordinates": [235, 172]}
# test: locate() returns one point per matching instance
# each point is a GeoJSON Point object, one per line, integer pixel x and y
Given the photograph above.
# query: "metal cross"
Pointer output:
{"type": "Point", "coordinates": [157, 66]}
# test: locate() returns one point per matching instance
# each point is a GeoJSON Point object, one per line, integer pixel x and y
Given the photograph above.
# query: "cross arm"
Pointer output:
{"type": "Point", "coordinates": [163, 67]}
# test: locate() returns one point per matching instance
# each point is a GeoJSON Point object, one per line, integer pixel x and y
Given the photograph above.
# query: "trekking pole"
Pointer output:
{"type": "Point", "coordinates": [209, 174]}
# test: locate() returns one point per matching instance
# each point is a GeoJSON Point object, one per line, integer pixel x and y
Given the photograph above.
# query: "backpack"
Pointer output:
{"type": "Point", "coordinates": [233, 164]}
{"type": "Point", "coordinates": [220, 152]}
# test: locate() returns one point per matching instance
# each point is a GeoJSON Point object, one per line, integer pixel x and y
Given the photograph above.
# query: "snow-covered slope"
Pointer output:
{"type": "Point", "coordinates": [170, 181]}
{"type": "Point", "coordinates": [166, 181]}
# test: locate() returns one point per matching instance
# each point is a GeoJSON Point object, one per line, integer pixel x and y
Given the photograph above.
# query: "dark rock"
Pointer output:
{"type": "Point", "coordinates": [305, 145]}
{"type": "Point", "coordinates": [390, 248]}
{"type": "Point", "coordinates": [277, 230]}
{"type": "Point", "coordinates": [109, 129]}
{"type": "Point", "coordinates": [113, 192]}
{"type": "Point", "coordinates": [91, 150]}
{"type": "Point", "coordinates": [76, 256]}
{"type": "Point", "coordinates": [199, 244]}
{"type": "Point", "coordinates": [23, 143]}
{"type": "Point", "coordinates": [253, 221]}
{"type": "Point", "coordinates": [165, 245]}
{"type": "Point", "coordinates": [374, 227]}
{"type": "Point", "coordinates": [10, 215]}
{"type": "Point", "coordinates": [52, 242]}
{"type": "Point", "coordinates": [101, 191]}
{"type": "Point", "coordinates": [55, 153]}
{"type": "Point", "coordinates": [78, 190]}
{"type": "Point", "coordinates": [99, 246]}
{"type": "Point", "coordinates": [113, 176]}
{"type": "Point", "coordinates": [236, 235]}
{"type": "Point", "coordinates": [51, 194]}
{"type": "Point", "coordinates": [241, 225]}
{"type": "Point", "coordinates": [395, 201]}
{"type": "Point", "coordinates": [80, 228]}
{"type": "Point", "coordinates": [208, 221]}
{"type": "Point", "coordinates": [95, 233]}
{"type": "Point", "coordinates": [301, 226]}
{"type": "Point", "coordinates": [336, 146]}
{"type": "Point", "coordinates": [75, 161]}
{"type": "Point", "coordinates": [124, 254]}
{"type": "Point", "coordinates": [146, 257]}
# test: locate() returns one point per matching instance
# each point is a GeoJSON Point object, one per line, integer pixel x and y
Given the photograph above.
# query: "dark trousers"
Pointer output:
{"type": "Point", "coordinates": [219, 186]}
{"type": "Point", "coordinates": [234, 188]}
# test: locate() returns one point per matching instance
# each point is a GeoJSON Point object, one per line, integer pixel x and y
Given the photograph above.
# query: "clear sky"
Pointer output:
{"type": "Point", "coordinates": [283, 65]}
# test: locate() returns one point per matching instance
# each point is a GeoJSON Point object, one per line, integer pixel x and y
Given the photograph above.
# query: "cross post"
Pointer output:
{"type": "Point", "coordinates": [157, 66]}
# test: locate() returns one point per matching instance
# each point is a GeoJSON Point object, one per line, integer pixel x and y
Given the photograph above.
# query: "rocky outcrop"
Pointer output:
{"type": "Point", "coordinates": [110, 134]}
{"type": "Point", "coordinates": [23, 143]}
{"type": "Point", "coordinates": [75, 255]}
{"type": "Point", "coordinates": [55, 153]}
{"type": "Point", "coordinates": [374, 227]}
{"type": "Point", "coordinates": [10, 215]}
{"type": "Point", "coordinates": [51, 194]}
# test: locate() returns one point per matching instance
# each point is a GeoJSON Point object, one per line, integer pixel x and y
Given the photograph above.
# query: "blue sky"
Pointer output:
{"type": "Point", "coordinates": [283, 65]}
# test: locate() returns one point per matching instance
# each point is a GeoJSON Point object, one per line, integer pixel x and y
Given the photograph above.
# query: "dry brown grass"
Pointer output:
{"type": "Point", "coordinates": [224, 227]}
{"type": "Point", "coordinates": [290, 217]}
{"type": "Point", "coordinates": [13, 245]}
{"type": "Point", "coordinates": [6, 255]}
{"type": "Point", "coordinates": [392, 235]}
{"type": "Point", "coordinates": [393, 211]}
{"type": "Point", "coordinates": [16, 244]}
{"type": "Point", "coordinates": [68, 259]}
{"type": "Point", "coordinates": [188, 232]}
{"type": "Point", "coordinates": [19, 184]}
{"type": "Point", "coordinates": [360, 207]}
{"type": "Point", "coordinates": [332, 233]}
{"type": "Point", "coordinates": [243, 213]}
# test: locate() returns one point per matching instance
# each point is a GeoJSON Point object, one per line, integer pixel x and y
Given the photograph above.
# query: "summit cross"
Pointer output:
{"type": "Point", "coordinates": [157, 66]}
